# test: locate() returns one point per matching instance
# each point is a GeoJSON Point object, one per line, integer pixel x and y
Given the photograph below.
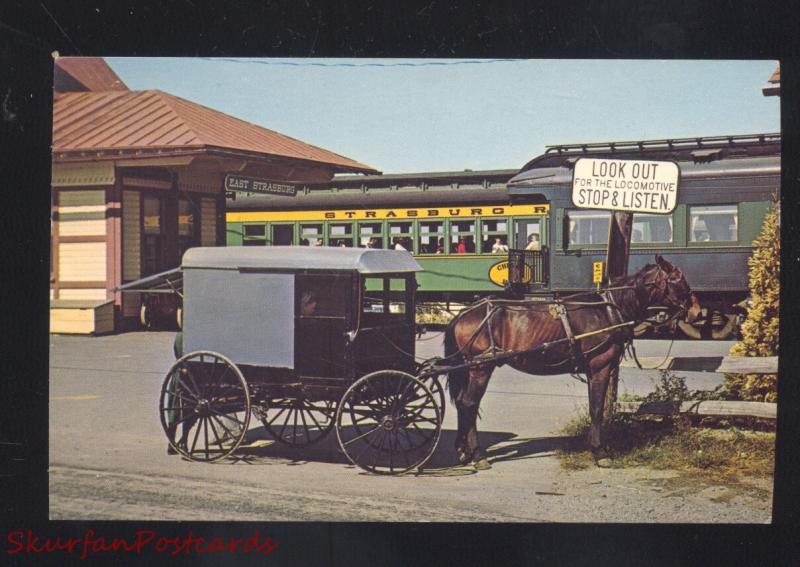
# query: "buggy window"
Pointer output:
{"type": "Point", "coordinates": [323, 296]}
{"type": "Point", "coordinates": [385, 296]}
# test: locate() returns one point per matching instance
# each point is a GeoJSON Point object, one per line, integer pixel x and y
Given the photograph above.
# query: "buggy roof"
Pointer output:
{"type": "Point", "coordinates": [362, 260]}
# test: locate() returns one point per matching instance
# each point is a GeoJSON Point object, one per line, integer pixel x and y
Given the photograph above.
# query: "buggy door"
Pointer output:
{"type": "Point", "coordinates": [386, 327]}
{"type": "Point", "coordinates": [323, 304]}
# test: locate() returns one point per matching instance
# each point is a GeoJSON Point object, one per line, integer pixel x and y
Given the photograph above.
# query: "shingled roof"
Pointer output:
{"type": "Point", "coordinates": [152, 122]}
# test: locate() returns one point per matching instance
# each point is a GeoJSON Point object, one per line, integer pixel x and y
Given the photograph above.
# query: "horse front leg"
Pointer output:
{"type": "Point", "coordinates": [598, 386]}
{"type": "Point", "coordinates": [468, 404]}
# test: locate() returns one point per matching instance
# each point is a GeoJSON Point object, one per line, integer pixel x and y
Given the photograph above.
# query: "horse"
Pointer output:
{"type": "Point", "coordinates": [584, 333]}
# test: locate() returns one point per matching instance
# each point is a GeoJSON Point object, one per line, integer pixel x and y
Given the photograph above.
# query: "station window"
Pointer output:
{"type": "Point", "coordinates": [400, 236]}
{"type": "Point", "coordinates": [311, 234]}
{"type": "Point", "coordinates": [431, 237]}
{"type": "Point", "coordinates": [152, 256]}
{"type": "Point", "coordinates": [340, 234]}
{"type": "Point", "coordinates": [187, 226]}
{"type": "Point", "coordinates": [588, 227]}
{"type": "Point", "coordinates": [371, 235]}
{"type": "Point", "coordinates": [713, 223]}
{"type": "Point", "coordinates": [651, 228]}
{"type": "Point", "coordinates": [494, 236]}
{"type": "Point", "coordinates": [462, 236]}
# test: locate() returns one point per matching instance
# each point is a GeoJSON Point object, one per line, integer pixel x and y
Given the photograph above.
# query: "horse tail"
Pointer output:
{"type": "Point", "coordinates": [456, 379]}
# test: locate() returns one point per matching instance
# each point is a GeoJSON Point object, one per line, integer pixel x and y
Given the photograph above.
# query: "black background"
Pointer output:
{"type": "Point", "coordinates": [30, 31]}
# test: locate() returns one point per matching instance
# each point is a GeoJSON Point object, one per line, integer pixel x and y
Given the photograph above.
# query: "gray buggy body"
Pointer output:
{"type": "Point", "coordinates": [242, 302]}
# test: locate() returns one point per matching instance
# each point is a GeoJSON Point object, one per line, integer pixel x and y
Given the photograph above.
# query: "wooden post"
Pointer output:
{"type": "Point", "coordinates": [619, 244]}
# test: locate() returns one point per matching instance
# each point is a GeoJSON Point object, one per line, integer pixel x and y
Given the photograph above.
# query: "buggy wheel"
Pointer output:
{"type": "Point", "coordinates": [388, 422]}
{"type": "Point", "coordinates": [298, 421]}
{"type": "Point", "coordinates": [205, 397]}
{"type": "Point", "coordinates": [435, 386]}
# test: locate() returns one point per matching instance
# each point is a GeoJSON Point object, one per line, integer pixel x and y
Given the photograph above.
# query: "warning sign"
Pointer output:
{"type": "Point", "coordinates": [597, 272]}
{"type": "Point", "coordinates": [626, 185]}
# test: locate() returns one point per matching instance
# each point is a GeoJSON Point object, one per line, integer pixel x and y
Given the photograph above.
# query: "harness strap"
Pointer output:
{"type": "Point", "coordinates": [578, 363]}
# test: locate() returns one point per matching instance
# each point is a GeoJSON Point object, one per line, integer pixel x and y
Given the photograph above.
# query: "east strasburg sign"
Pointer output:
{"type": "Point", "coordinates": [626, 185]}
{"type": "Point", "coordinates": [254, 185]}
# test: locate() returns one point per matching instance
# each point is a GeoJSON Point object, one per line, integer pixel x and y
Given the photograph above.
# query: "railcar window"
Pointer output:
{"type": "Point", "coordinates": [311, 233]}
{"type": "Point", "coordinates": [340, 234]}
{"type": "Point", "coordinates": [494, 236]}
{"type": "Point", "coordinates": [713, 223]}
{"type": "Point", "coordinates": [400, 236]}
{"type": "Point", "coordinates": [371, 235]}
{"type": "Point", "coordinates": [431, 237]}
{"type": "Point", "coordinates": [462, 236]}
{"type": "Point", "coordinates": [651, 228]}
{"type": "Point", "coordinates": [255, 230]}
{"type": "Point", "coordinates": [527, 231]}
{"type": "Point", "coordinates": [588, 227]}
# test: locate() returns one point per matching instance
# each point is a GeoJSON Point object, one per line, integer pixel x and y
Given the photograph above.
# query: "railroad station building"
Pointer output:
{"type": "Point", "coordinates": [138, 177]}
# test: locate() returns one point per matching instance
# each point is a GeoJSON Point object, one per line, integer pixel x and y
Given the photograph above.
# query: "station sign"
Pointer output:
{"type": "Point", "coordinates": [636, 186]}
{"type": "Point", "coordinates": [255, 185]}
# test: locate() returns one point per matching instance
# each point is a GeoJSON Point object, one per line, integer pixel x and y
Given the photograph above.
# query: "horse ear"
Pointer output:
{"type": "Point", "coordinates": [666, 266]}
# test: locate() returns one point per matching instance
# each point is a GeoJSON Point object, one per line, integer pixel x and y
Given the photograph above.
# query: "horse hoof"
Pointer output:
{"type": "Point", "coordinates": [604, 463]}
{"type": "Point", "coordinates": [463, 458]}
{"type": "Point", "coordinates": [171, 450]}
{"type": "Point", "coordinates": [482, 465]}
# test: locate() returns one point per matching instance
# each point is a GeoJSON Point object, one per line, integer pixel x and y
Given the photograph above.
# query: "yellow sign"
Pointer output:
{"type": "Point", "coordinates": [498, 274]}
{"type": "Point", "coordinates": [389, 214]}
{"type": "Point", "coordinates": [597, 272]}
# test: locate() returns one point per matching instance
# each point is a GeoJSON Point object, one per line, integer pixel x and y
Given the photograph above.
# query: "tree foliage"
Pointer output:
{"type": "Point", "coordinates": [760, 329]}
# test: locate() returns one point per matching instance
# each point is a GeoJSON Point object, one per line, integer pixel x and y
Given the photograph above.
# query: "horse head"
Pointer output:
{"type": "Point", "coordinates": [674, 290]}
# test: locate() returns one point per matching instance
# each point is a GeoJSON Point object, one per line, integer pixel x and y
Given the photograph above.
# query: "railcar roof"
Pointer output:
{"type": "Point", "coordinates": [295, 258]}
{"type": "Point", "coordinates": [702, 166]}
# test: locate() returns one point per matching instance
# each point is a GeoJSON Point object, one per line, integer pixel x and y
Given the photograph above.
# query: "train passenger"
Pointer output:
{"type": "Point", "coordinates": [398, 245]}
{"type": "Point", "coordinates": [462, 246]}
{"type": "Point", "coordinates": [533, 242]}
{"type": "Point", "coordinates": [440, 246]}
{"type": "Point", "coordinates": [499, 246]}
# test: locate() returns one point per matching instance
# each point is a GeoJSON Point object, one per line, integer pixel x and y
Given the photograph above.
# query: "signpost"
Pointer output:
{"type": "Point", "coordinates": [255, 185]}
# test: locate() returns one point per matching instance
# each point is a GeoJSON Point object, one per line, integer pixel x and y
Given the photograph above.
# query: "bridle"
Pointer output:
{"type": "Point", "coordinates": [664, 281]}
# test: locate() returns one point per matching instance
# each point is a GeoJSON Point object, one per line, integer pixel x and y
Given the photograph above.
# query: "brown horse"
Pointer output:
{"type": "Point", "coordinates": [549, 339]}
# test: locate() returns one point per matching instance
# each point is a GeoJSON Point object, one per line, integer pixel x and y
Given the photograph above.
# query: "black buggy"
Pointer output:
{"type": "Point", "coordinates": [304, 339]}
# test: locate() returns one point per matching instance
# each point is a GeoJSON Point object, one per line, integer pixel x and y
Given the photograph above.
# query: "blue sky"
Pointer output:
{"type": "Point", "coordinates": [402, 115]}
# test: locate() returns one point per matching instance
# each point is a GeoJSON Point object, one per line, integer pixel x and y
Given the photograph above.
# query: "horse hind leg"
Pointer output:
{"type": "Point", "coordinates": [598, 385]}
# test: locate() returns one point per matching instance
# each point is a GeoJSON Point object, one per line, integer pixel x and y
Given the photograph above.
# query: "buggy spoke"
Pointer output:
{"type": "Point", "coordinates": [205, 433]}
{"type": "Point", "coordinates": [354, 439]}
{"type": "Point", "coordinates": [303, 417]}
{"type": "Point", "coordinates": [186, 388]}
{"type": "Point", "coordinates": [227, 415]}
{"type": "Point", "coordinates": [194, 441]}
{"type": "Point", "coordinates": [311, 415]}
{"type": "Point", "coordinates": [276, 416]}
{"type": "Point", "coordinates": [222, 424]}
